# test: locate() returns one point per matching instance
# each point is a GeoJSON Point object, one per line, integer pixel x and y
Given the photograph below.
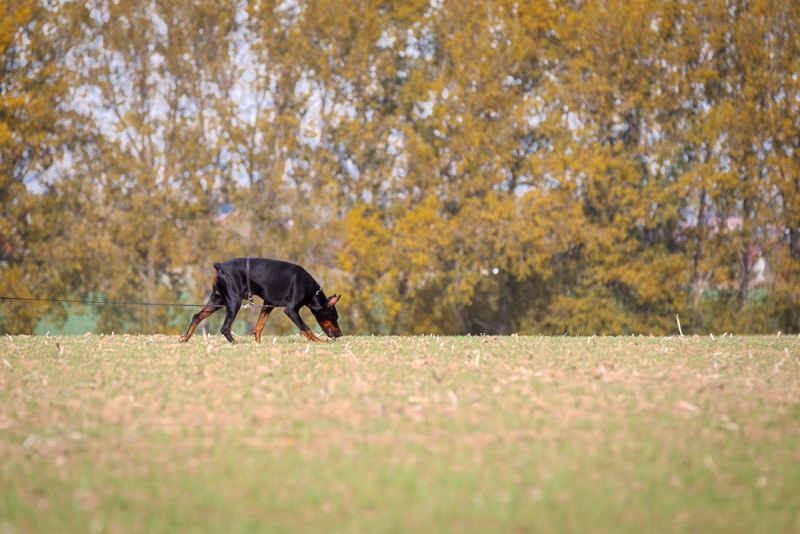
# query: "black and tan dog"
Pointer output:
{"type": "Point", "coordinates": [279, 284]}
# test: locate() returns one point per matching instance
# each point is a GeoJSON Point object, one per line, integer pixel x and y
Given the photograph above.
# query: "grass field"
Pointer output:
{"type": "Point", "coordinates": [392, 434]}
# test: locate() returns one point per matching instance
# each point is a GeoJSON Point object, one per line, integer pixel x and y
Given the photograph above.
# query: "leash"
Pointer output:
{"type": "Point", "coordinates": [108, 302]}
{"type": "Point", "coordinates": [249, 299]}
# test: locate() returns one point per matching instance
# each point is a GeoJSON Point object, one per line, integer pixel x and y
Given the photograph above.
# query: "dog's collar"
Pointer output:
{"type": "Point", "coordinates": [318, 292]}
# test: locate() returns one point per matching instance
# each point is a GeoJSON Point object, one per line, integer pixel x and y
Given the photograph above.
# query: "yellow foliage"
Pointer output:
{"type": "Point", "coordinates": [504, 166]}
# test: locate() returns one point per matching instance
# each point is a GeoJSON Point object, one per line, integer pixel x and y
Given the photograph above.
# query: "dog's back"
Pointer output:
{"type": "Point", "coordinates": [277, 282]}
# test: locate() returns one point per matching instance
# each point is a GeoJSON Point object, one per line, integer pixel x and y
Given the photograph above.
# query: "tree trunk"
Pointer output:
{"type": "Point", "coordinates": [744, 282]}
{"type": "Point", "coordinates": [697, 278]}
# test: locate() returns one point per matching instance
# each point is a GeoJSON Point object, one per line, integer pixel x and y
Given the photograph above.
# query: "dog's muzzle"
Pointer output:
{"type": "Point", "coordinates": [333, 333]}
{"type": "Point", "coordinates": [331, 330]}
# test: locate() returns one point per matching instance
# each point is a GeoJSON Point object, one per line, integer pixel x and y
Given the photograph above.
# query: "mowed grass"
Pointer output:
{"type": "Point", "coordinates": [396, 434]}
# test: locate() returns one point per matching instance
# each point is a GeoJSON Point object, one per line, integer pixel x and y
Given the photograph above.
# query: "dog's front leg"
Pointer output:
{"type": "Point", "coordinates": [294, 314]}
{"type": "Point", "coordinates": [262, 319]}
{"type": "Point", "coordinates": [311, 336]}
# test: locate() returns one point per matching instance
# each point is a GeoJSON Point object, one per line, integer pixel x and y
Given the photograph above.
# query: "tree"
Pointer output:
{"type": "Point", "coordinates": [34, 134]}
{"type": "Point", "coordinates": [154, 74]}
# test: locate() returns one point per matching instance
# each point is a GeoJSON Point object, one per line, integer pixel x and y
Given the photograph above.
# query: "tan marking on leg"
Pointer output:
{"type": "Point", "coordinates": [262, 319]}
{"type": "Point", "coordinates": [205, 312]}
{"type": "Point", "coordinates": [310, 335]}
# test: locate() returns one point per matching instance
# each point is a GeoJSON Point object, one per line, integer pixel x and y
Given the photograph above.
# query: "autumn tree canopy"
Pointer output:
{"type": "Point", "coordinates": [451, 167]}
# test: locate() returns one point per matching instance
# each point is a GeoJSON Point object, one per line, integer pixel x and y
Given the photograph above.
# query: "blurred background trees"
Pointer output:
{"type": "Point", "coordinates": [451, 167]}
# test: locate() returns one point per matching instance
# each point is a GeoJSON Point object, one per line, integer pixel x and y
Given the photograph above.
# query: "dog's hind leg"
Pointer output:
{"type": "Point", "coordinates": [231, 309]}
{"type": "Point", "coordinates": [214, 303]}
{"type": "Point", "coordinates": [262, 319]}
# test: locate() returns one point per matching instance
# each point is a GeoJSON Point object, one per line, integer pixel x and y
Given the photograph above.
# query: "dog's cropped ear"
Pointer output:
{"type": "Point", "coordinates": [333, 300]}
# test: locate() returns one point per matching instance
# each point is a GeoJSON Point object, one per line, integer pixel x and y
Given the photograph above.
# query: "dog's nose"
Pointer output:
{"type": "Point", "coordinates": [334, 333]}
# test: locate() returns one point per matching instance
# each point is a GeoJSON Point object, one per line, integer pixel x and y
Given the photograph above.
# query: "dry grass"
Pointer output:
{"type": "Point", "coordinates": [138, 433]}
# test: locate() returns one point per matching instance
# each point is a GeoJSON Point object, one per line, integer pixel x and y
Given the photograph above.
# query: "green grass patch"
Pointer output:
{"type": "Point", "coordinates": [388, 434]}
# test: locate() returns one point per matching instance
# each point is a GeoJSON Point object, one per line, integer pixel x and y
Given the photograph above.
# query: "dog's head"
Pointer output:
{"type": "Point", "coordinates": [327, 317]}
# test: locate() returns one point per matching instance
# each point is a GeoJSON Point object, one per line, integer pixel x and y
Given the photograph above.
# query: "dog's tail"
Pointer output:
{"type": "Point", "coordinates": [215, 279]}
